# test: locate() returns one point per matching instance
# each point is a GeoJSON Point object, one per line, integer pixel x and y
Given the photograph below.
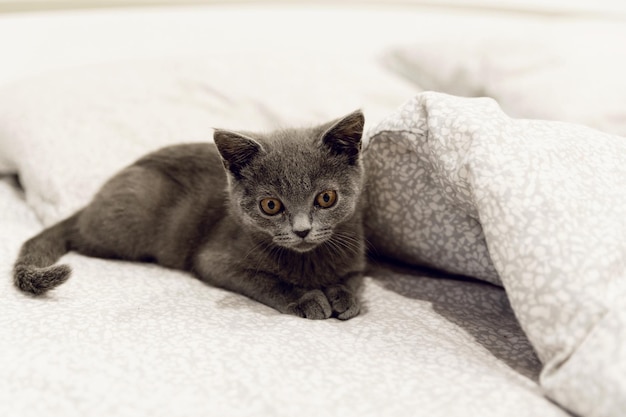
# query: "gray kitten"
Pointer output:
{"type": "Point", "coordinates": [275, 217]}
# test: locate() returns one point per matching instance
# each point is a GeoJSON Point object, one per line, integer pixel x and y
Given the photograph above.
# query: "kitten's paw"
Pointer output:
{"type": "Point", "coordinates": [344, 304]}
{"type": "Point", "coordinates": [312, 305]}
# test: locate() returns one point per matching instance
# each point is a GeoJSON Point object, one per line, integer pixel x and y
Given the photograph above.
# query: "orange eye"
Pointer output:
{"type": "Point", "coordinates": [326, 199]}
{"type": "Point", "coordinates": [271, 206]}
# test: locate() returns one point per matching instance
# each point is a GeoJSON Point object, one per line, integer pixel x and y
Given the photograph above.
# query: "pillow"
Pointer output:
{"type": "Point", "coordinates": [68, 131]}
{"type": "Point", "coordinates": [561, 70]}
{"type": "Point", "coordinates": [413, 215]}
{"type": "Point", "coordinates": [457, 184]}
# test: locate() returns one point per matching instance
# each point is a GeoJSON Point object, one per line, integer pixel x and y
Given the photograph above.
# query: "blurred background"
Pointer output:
{"type": "Point", "coordinates": [271, 62]}
{"type": "Point", "coordinates": [123, 77]}
{"type": "Point", "coordinates": [603, 6]}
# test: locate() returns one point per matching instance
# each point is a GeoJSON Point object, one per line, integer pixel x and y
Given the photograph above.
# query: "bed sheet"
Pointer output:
{"type": "Point", "coordinates": [123, 339]}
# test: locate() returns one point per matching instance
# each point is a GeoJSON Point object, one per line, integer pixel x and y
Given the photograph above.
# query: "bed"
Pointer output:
{"type": "Point", "coordinates": [496, 208]}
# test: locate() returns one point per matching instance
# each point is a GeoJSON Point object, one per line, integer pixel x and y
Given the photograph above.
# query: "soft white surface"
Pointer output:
{"type": "Point", "coordinates": [560, 7]}
{"type": "Point", "coordinates": [92, 121]}
{"type": "Point", "coordinates": [102, 98]}
{"type": "Point", "coordinates": [102, 92]}
{"type": "Point", "coordinates": [123, 339]}
{"type": "Point", "coordinates": [245, 32]}
{"type": "Point", "coordinates": [551, 201]}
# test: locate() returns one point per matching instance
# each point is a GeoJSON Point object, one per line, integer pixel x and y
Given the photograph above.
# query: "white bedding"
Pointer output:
{"type": "Point", "coordinates": [565, 70]}
{"type": "Point", "coordinates": [123, 339]}
{"type": "Point", "coordinates": [546, 207]}
{"type": "Point", "coordinates": [79, 100]}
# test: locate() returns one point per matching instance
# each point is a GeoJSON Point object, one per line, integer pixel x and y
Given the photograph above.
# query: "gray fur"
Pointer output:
{"type": "Point", "coordinates": [197, 207]}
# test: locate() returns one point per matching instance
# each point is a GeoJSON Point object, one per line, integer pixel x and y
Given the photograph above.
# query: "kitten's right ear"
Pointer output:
{"type": "Point", "coordinates": [237, 150]}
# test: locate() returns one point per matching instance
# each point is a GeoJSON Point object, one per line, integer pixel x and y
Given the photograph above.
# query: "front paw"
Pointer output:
{"type": "Point", "coordinates": [344, 304]}
{"type": "Point", "coordinates": [312, 305]}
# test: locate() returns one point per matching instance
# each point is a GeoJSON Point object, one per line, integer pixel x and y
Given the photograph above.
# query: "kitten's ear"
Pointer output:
{"type": "Point", "coordinates": [343, 137]}
{"type": "Point", "coordinates": [237, 150]}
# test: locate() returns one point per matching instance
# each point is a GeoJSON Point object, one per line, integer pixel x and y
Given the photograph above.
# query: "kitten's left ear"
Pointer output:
{"type": "Point", "coordinates": [343, 137]}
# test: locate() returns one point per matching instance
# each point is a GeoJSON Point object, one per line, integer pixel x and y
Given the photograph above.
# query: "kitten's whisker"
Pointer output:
{"type": "Point", "coordinates": [337, 251]}
{"type": "Point", "coordinates": [349, 238]}
{"type": "Point", "coordinates": [281, 252]}
{"type": "Point", "coordinates": [347, 242]}
{"type": "Point", "coordinates": [369, 247]}
{"type": "Point", "coordinates": [266, 255]}
{"type": "Point", "coordinates": [253, 249]}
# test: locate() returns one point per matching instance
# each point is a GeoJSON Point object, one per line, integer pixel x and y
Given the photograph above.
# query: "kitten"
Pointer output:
{"type": "Point", "coordinates": [275, 217]}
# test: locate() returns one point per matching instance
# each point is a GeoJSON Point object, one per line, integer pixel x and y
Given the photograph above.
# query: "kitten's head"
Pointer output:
{"type": "Point", "coordinates": [295, 185]}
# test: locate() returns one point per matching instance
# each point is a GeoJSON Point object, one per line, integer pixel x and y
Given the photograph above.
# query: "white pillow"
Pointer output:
{"type": "Point", "coordinates": [562, 70]}
{"type": "Point", "coordinates": [68, 131]}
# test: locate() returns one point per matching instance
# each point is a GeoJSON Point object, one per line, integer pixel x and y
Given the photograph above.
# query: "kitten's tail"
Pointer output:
{"type": "Point", "coordinates": [34, 270]}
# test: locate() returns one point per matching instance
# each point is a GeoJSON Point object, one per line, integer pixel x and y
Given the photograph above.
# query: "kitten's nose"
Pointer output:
{"type": "Point", "coordinates": [301, 225]}
{"type": "Point", "coordinates": [302, 233]}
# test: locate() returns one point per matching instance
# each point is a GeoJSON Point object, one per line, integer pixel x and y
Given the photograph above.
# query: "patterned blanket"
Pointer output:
{"type": "Point", "coordinates": [538, 207]}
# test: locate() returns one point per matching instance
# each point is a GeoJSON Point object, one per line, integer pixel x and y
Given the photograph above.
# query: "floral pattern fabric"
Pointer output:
{"type": "Point", "coordinates": [537, 206]}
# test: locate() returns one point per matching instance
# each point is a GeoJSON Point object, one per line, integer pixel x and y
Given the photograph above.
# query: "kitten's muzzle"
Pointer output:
{"type": "Point", "coordinates": [304, 246]}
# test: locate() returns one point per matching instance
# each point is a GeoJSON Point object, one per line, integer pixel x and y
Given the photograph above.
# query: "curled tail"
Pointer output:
{"type": "Point", "coordinates": [34, 270]}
